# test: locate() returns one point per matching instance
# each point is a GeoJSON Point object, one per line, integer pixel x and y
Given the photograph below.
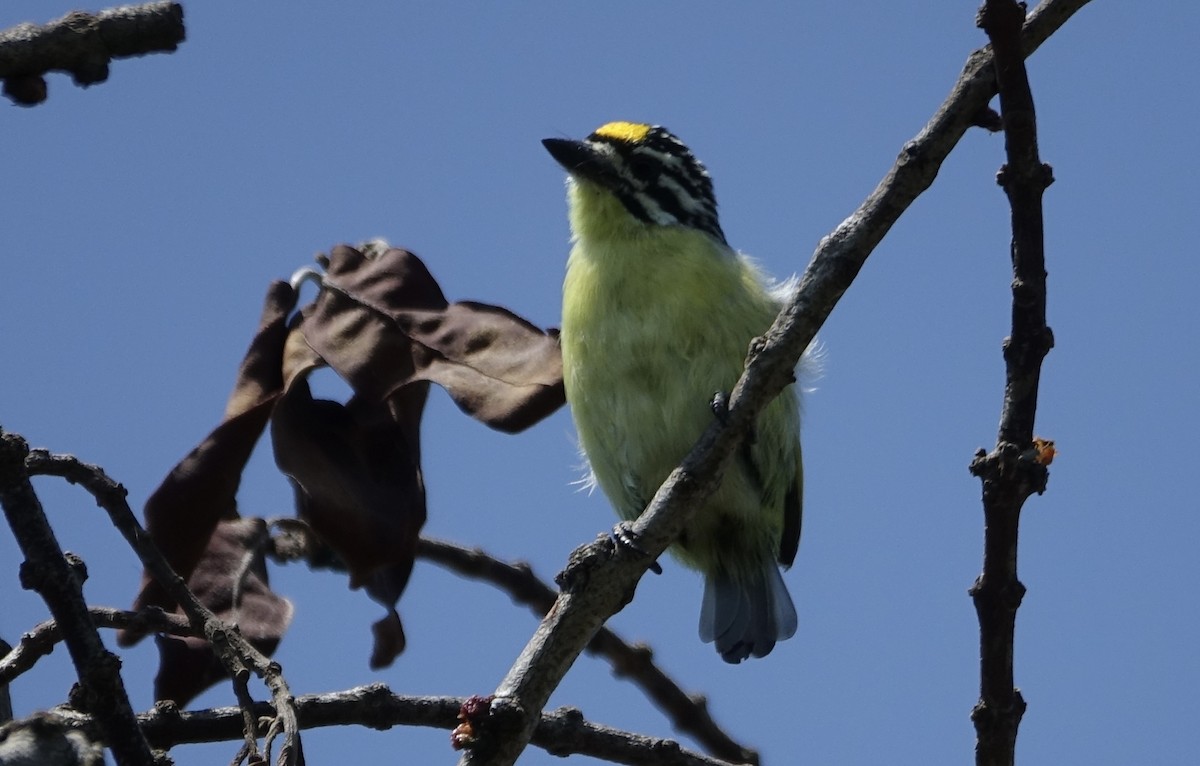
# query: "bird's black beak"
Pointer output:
{"type": "Point", "coordinates": [578, 158]}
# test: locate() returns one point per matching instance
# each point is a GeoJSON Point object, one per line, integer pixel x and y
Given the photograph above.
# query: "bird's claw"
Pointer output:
{"type": "Point", "coordinates": [720, 409]}
{"type": "Point", "coordinates": [624, 537]}
{"type": "Point", "coordinates": [720, 406]}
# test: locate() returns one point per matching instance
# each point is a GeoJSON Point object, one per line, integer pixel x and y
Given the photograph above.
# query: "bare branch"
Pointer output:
{"type": "Point", "coordinates": [40, 641]}
{"type": "Point", "coordinates": [60, 583]}
{"type": "Point", "coordinates": [235, 652]}
{"type": "Point", "coordinates": [599, 580]}
{"type": "Point", "coordinates": [1015, 469]}
{"type": "Point", "coordinates": [294, 540]}
{"type": "Point", "coordinates": [688, 713]}
{"type": "Point", "coordinates": [565, 732]}
{"type": "Point", "coordinates": [560, 732]}
{"type": "Point", "coordinates": [82, 44]}
{"type": "Point", "coordinates": [6, 711]}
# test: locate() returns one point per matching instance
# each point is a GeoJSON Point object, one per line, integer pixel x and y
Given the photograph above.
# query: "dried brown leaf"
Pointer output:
{"type": "Point", "coordinates": [200, 491]}
{"type": "Point", "coordinates": [231, 580]}
{"type": "Point", "coordinates": [383, 324]}
{"type": "Point", "coordinates": [357, 476]}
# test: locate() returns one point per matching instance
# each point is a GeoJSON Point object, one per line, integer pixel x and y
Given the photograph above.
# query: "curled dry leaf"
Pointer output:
{"type": "Point", "coordinates": [356, 472]}
{"type": "Point", "coordinates": [231, 580]}
{"type": "Point", "coordinates": [382, 322]}
{"type": "Point", "coordinates": [193, 519]}
{"type": "Point", "coordinates": [201, 490]}
{"type": "Point", "coordinates": [384, 325]}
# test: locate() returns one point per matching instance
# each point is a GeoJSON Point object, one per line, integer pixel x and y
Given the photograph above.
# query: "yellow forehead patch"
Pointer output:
{"type": "Point", "coordinates": [633, 132]}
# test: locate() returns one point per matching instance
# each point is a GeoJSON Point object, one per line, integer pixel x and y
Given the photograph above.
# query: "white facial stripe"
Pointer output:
{"type": "Point", "coordinates": [654, 210]}
{"type": "Point", "coordinates": [658, 180]}
{"type": "Point", "coordinates": [686, 201]}
{"type": "Point", "coordinates": [670, 160]}
{"type": "Point", "coordinates": [604, 148]}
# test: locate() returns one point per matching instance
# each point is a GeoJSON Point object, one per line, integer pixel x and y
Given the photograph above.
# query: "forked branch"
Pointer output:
{"type": "Point", "coordinates": [59, 581]}
{"type": "Point", "coordinates": [238, 655]}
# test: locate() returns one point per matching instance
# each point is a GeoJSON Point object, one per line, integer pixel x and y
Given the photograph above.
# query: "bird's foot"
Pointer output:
{"type": "Point", "coordinates": [623, 535]}
{"type": "Point", "coordinates": [720, 409]}
{"type": "Point", "coordinates": [720, 406]}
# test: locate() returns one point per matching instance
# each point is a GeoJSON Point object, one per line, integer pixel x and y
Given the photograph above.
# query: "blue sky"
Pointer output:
{"type": "Point", "coordinates": [144, 217]}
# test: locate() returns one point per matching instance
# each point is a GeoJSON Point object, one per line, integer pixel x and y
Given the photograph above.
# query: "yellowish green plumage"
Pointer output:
{"type": "Point", "coordinates": [658, 314]}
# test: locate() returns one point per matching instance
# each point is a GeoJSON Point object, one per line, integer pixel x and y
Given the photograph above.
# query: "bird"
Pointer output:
{"type": "Point", "coordinates": [658, 314]}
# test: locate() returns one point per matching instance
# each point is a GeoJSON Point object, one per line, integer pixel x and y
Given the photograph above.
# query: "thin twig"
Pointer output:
{"type": "Point", "coordinates": [234, 651]}
{"type": "Point", "coordinates": [41, 639]}
{"type": "Point", "coordinates": [253, 552]}
{"type": "Point", "coordinates": [1012, 471]}
{"type": "Point", "coordinates": [83, 44]}
{"type": "Point", "coordinates": [47, 571]}
{"type": "Point", "coordinates": [598, 580]}
{"type": "Point", "coordinates": [560, 732]}
{"type": "Point", "coordinates": [241, 691]}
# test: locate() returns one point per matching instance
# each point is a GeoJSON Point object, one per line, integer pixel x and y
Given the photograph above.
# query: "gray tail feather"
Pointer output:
{"type": "Point", "coordinates": [746, 617]}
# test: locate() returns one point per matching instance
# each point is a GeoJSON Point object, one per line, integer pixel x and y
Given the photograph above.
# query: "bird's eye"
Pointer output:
{"type": "Point", "coordinates": [641, 166]}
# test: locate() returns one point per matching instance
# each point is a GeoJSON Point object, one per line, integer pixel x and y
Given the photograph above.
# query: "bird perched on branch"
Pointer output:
{"type": "Point", "coordinates": [658, 314]}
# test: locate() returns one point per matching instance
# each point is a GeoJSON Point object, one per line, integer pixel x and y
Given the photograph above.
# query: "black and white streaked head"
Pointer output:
{"type": "Point", "coordinates": [652, 173]}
